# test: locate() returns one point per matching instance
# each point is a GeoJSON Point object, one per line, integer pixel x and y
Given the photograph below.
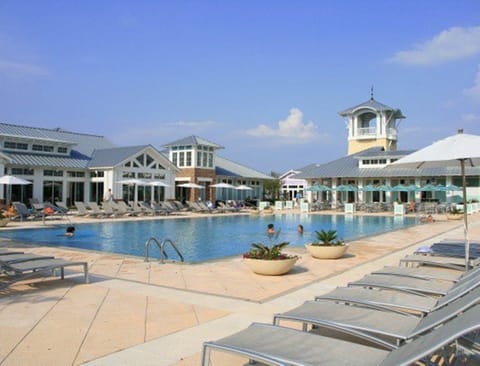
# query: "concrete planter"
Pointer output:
{"type": "Point", "coordinates": [254, 212]}
{"type": "Point", "coordinates": [268, 267]}
{"type": "Point", "coordinates": [326, 252]}
{"type": "Point", "coordinates": [4, 222]}
{"type": "Point", "coordinates": [454, 217]}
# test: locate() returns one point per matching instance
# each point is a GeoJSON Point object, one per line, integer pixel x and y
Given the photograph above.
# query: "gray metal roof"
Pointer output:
{"type": "Point", "coordinates": [75, 161]}
{"type": "Point", "coordinates": [113, 156]}
{"type": "Point", "coordinates": [380, 153]}
{"type": "Point", "coordinates": [348, 167]}
{"type": "Point", "coordinates": [372, 104]}
{"type": "Point", "coordinates": [193, 140]}
{"type": "Point", "coordinates": [228, 168]}
{"type": "Point", "coordinates": [85, 143]}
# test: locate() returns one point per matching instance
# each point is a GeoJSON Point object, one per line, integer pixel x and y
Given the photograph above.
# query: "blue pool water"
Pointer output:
{"type": "Point", "coordinates": [206, 238]}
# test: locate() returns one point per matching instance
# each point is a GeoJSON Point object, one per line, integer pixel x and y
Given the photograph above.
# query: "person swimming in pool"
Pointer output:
{"type": "Point", "coordinates": [270, 229]}
{"type": "Point", "coordinates": [70, 231]}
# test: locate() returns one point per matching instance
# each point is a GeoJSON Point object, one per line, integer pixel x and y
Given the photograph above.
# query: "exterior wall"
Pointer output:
{"type": "Point", "coordinates": [199, 176]}
{"type": "Point", "coordinates": [355, 146]}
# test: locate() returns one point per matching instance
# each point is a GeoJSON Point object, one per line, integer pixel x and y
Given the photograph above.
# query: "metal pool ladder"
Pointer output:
{"type": "Point", "coordinates": [161, 246]}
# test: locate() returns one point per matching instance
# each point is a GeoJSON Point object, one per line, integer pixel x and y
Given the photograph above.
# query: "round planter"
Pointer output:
{"type": "Point", "coordinates": [270, 267]}
{"type": "Point", "coordinates": [267, 211]}
{"type": "Point", "coordinates": [4, 222]}
{"type": "Point", "coordinates": [454, 217]}
{"type": "Point", "coordinates": [254, 212]}
{"type": "Point", "coordinates": [326, 252]}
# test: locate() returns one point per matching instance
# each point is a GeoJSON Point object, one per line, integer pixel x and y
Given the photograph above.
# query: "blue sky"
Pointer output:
{"type": "Point", "coordinates": [265, 79]}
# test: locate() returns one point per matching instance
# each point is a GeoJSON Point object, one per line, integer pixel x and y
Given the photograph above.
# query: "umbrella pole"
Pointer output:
{"type": "Point", "coordinates": [465, 218]}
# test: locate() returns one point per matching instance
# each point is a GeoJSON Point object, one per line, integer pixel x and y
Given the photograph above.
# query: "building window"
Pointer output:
{"type": "Point", "coordinates": [15, 145]}
{"type": "Point", "coordinates": [150, 160]}
{"type": "Point", "coordinates": [205, 160]}
{"type": "Point", "coordinates": [199, 158]}
{"type": "Point", "coordinates": [382, 161]}
{"type": "Point", "coordinates": [22, 171]}
{"type": "Point", "coordinates": [174, 158]}
{"type": "Point", "coordinates": [96, 174]}
{"type": "Point", "coordinates": [46, 148]}
{"type": "Point", "coordinates": [210, 160]}
{"type": "Point", "coordinates": [181, 159]}
{"type": "Point", "coordinates": [365, 162]}
{"type": "Point", "coordinates": [62, 150]}
{"type": "Point", "coordinates": [53, 173]}
{"type": "Point", "coordinates": [189, 158]}
{"type": "Point", "coordinates": [76, 174]}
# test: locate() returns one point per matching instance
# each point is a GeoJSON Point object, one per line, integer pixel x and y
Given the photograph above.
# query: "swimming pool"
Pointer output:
{"type": "Point", "coordinates": [205, 238]}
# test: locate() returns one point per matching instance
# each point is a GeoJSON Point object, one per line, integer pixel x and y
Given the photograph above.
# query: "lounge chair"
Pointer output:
{"type": "Point", "coordinates": [382, 323]}
{"type": "Point", "coordinates": [440, 261]}
{"type": "Point", "coordinates": [62, 207]}
{"type": "Point", "coordinates": [119, 208]}
{"type": "Point", "coordinates": [160, 209]}
{"type": "Point", "coordinates": [408, 284]}
{"type": "Point", "coordinates": [146, 208]}
{"type": "Point", "coordinates": [24, 213]}
{"type": "Point", "coordinates": [4, 251]}
{"type": "Point", "coordinates": [96, 211]}
{"type": "Point", "coordinates": [21, 257]}
{"type": "Point", "coordinates": [107, 210]}
{"type": "Point", "coordinates": [276, 345]}
{"type": "Point", "coordinates": [81, 208]}
{"type": "Point", "coordinates": [402, 300]}
{"type": "Point", "coordinates": [180, 206]}
{"type": "Point", "coordinates": [422, 272]}
{"type": "Point", "coordinates": [23, 270]}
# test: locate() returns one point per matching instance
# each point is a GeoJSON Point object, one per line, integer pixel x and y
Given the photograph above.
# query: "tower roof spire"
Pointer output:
{"type": "Point", "coordinates": [371, 92]}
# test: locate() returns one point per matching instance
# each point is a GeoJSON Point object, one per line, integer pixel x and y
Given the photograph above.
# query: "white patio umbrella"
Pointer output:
{"type": "Point", "coordinates": [459, 150]}
{"type": "Point", "coordinates": [158, 183]}
{"type": "Point", "coordinates": [11, 180]}
{"type": "Point", "coordinates": [131, 181]}
{"type": "Point", "coordinates": [223, 186]}
{"type": "Point", "coordinates": [191, 185]}
{"type": "Point", "coordinates": [243, 187]}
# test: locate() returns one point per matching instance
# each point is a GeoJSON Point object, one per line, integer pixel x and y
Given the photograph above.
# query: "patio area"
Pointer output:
{"type": "Point", "coordinates": [140, 313]}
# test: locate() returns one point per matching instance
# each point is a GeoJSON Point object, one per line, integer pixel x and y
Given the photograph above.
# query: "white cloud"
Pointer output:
{"type": "Point", "coordinates": [474, 91]}
{"type": "Point", "coordinates": [471, 117]}
{"type": "Point", "coordinates": [10, 68]}
{"type": "Point", "coordinates": [452, 44]}
{"type": "Point", "coordinates": [290, 130]}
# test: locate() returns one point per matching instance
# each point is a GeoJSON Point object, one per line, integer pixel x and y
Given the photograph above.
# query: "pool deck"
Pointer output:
{"type": "Point", "coordinates": [140, 313]}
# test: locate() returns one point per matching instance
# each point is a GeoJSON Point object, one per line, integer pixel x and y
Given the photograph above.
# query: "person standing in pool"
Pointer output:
{"type": "Point", "coordinates": [270, 229]}
{"type": "Point", "coordinates": [300, 229]}
{"type": "Point", "coordinates": [70, 231]}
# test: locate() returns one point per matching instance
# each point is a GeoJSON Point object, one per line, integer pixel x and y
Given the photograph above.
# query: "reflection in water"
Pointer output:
{"type": "Point", "coordinates": [201, 239]}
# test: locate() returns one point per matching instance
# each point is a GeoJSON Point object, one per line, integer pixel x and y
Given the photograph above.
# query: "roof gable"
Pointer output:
{"type": "Point", "coordinates": [374, 105]}
{"type": "Point", "coordinates": [193, 140]}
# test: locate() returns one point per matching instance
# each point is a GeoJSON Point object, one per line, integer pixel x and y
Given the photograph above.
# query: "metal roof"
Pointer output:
{"type": "Point", "coordinates": [225, 167]}
{"type": "Point", "coordinates": [113, 156]}
{"type": "Point", "coordinates": [379, 153]}
{"type": "Point", "coordinates": [74, 161]}
{"type": "Point", "coordinates": [193, 140]}
{"type": "Point", "coordinates": [85, 143]}
{"type": "Point", "coordinates": [348, 167]}
{"type": "Point", "coordinates": [372, 104]}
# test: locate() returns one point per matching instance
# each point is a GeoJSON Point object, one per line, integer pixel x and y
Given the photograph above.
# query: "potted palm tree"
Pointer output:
{"type": "Point", "coordinates": [327, 245]}
{"type": "Point", "coordinates": [4, 219]}
{"type": "Point", "coordinates": [269, 260]}
{"type": "Point", "coordinates": [454, 214]}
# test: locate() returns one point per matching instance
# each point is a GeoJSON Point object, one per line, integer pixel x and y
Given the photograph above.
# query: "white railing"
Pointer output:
{"type": "Point", "coordinates": [366, 131]}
